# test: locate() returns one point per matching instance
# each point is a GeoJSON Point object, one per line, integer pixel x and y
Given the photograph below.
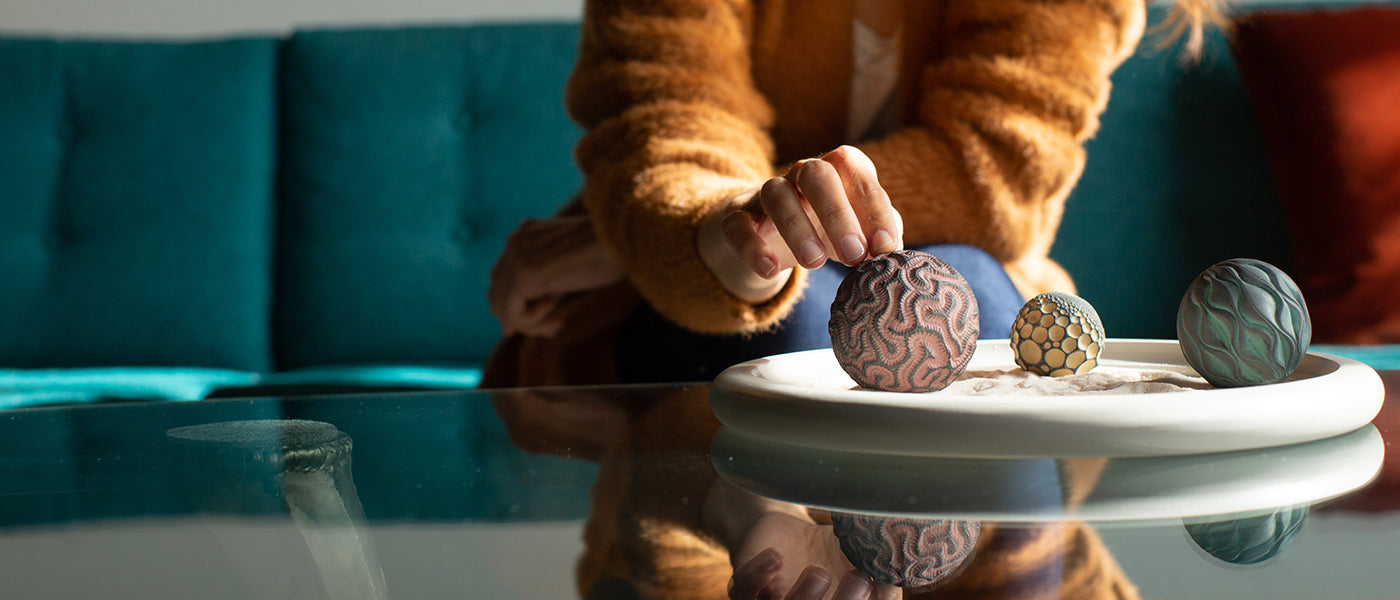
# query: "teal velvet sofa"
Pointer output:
{"type": "Point", "coordinates": [320, 211]}
{"type": "Point", "coordinates": [316, 211]}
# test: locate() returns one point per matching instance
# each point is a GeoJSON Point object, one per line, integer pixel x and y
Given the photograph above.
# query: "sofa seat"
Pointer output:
{"type": "Point", "coordinates": [38, 387]}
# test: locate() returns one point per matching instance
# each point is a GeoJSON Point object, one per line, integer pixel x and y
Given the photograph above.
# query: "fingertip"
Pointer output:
{"type": "Point", "coordinates": [887, 592]}
{"type": "Point", "coordinates": [851, 249]}
{"type": "Point", "coordinates": [766, 266]}
{"type": "Point", "coordinates": [883, 242]}
{"type": "Point", "coordinates": [814, 582]}
{"type": "Point", "coordinates": [855, 586]}
{"type": "Point", "coordinates": [770, 560]}
{"type": "Point", "coordinates": [810, 254]}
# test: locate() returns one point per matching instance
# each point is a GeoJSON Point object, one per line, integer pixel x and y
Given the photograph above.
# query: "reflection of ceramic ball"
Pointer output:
{"type": "Point", "coordinates": [1249, 540]}
{"type": "Point", "coordinates": [1243, 322]}
{"type": "Point", "coordinates": [904, 322]}
{"type": "Point", "coordinates": [905, 552]}
{"type": "Point", "coordinates": [1057, 334]}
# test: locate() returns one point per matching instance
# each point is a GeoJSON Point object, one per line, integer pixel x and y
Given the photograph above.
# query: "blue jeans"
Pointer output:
{"type": "Point", "coordinates": [651, 349]}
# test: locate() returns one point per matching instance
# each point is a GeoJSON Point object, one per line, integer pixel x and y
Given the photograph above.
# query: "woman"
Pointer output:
{"type": "Point", "coordinates": [707, 233]}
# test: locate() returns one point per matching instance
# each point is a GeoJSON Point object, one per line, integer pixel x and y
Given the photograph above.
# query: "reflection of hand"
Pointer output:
{"type": "Point", "coordinates": [778, 550]}
{"type": "Point", "coordinates": [784, 556]}
{"type": "Point", "coordinates": [543, 262]}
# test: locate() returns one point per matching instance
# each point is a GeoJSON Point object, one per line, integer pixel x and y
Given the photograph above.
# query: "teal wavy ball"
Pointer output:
{"type": "Point", "coordinates": [1243, 322]}
{"type": "Point", "coordinates": [1250, 540]}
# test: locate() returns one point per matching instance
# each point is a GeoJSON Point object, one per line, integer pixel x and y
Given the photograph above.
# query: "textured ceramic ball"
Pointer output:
{"type": "Point", "coordinates": [1243, 322]}
{"type": "Point", "coordinates": [904, 322]}
{"type": "Point", "coordinates": [1057, 334]}
{"type": "Point", "coordinates": [905, 552]}
{"type": "Point", "coordinates": [1249, 540]}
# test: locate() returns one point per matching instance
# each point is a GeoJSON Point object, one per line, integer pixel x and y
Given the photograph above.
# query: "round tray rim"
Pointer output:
{"type": "Point", "coordinates": [804, 399]}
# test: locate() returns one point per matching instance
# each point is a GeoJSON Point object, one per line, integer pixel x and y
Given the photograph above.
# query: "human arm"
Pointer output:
{"type": "Point", "coordinates": [1007, 98]}
{"type": "Point", "coordinates": [674, 128]}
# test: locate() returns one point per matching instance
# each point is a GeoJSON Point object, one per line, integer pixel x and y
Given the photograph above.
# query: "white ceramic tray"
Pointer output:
{"type": "Point", "coordinates": [1033, 490]}
{"type": "Point", "coordinates": [805, 399]}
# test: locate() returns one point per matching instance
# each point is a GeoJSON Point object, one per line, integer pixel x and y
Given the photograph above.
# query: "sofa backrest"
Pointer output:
{"type": "Point", "coordinates": [1177, 180]}
{"type": "Point", "coordinates": [408, 155]}
{"type": "Point", "coordinates": [136, 194]}
{"type": "Point", "coordinates": [264, 204]}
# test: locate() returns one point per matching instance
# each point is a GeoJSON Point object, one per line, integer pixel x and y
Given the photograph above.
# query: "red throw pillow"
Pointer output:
{"type": "Point", "coordinates": [1326, 88]}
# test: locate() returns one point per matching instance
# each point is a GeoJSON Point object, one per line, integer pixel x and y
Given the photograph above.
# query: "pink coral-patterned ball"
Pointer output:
{"type": "Point", "coordinates": [904, 322]}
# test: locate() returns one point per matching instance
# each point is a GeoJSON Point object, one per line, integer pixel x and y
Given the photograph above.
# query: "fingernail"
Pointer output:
{"type": "Point", "coordinates": [851, 249]}
{"type": "Point", "coordinates": [882, 241]}
{"type": "Point", "coordinates": [768, 561]}
{"type": "Point", "coordinates": [816, 584]}
{"type": "Point", "coordinates": [809, 252]}
{"type": "Point", "coordinates": [766, 266]}
{"type": "Point", "coordinates": [854, 587]}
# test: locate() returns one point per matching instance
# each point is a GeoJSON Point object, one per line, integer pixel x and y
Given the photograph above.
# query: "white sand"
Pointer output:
{"type": "Point", "coordinates": [1106, 379]}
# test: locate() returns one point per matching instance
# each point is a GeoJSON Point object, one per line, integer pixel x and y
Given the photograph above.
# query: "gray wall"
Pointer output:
{"type": "Point", "coordinates": [185, 18]}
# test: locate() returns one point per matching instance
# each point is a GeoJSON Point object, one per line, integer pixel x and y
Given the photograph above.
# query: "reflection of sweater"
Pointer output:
{"type": "Point", "coordinates": [686, 102]}
{"type": "Point", "coordinates": [644, 533]}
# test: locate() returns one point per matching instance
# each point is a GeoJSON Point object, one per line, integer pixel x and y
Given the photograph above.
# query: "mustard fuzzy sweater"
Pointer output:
{"type": "Point", "coordinates": [686, 102]}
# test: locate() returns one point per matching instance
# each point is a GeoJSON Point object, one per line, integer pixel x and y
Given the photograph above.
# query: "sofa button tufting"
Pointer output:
{"type": "Point", "coordinates": [463, 234]}
{"type": "Point", "coordinates": [65, 132]}
{"type": "Point", "coordinates": [53, 241]}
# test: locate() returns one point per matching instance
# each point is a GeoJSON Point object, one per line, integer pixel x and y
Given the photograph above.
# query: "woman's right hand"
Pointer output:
{"type": "Point", "coordinates": [831, 207]}
{"type": "Point", "coordinates": [782, 556]}
{"type": "Point", "coordinates": [544, 262]}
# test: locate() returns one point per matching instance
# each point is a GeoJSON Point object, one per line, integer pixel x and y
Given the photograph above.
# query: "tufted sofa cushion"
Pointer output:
{"type": "Point", "coordinates": [136, 202]}
{"type": "Point", "coordinates": [409, 155]}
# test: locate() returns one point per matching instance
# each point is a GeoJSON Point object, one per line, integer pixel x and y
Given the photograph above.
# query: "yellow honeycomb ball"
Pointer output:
{"type": "Point", "coordinates": [1057, 334]}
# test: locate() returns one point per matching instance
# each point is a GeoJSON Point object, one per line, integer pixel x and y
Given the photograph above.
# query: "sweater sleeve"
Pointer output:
{"type": "Point", "coordinates": [1004, 109]}
{"type": "Point", "coordinates": [673, 125]}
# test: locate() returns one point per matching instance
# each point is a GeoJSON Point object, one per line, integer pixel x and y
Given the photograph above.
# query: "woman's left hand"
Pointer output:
{"type": "Point", "coordinates": [544, 262]}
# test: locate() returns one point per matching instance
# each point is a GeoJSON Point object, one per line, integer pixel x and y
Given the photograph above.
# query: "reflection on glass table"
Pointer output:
{"type": "Point", "coordinates": [1052, 489]}
{"type": "Point", "coordinates": [630, 492]}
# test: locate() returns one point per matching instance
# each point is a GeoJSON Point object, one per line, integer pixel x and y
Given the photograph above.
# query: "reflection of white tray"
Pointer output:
{"type": "Point", "coordinates": [1032, 490]}
{"type": "Point", "coordinates": [804, 398]}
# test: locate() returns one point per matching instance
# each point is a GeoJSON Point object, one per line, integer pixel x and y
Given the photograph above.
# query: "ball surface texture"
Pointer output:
{"type": "Point", "coordinates": [904, 322]}
{"type": "Point", "coordinates": [1243, 322]}
{"type": "Point", "coordinates": [1057, 334]}
{"type": "Point", "coordinates": [905, 552]}
{"type": "Point", "coordinates": [1249, 540]}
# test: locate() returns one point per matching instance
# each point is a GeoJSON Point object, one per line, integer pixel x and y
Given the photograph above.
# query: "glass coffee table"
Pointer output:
{"type": "Point", "coordinates": [610, 492]}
